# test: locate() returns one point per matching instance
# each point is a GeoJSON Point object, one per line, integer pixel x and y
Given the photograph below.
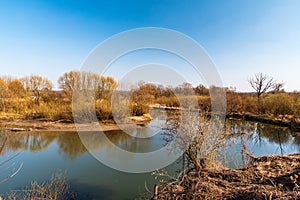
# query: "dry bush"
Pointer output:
{"type": "Point", "coordinates": [278, 104]}
{"type": "Point", "coordinates": [268, 177]}
{"type": "Point", "coordinates": [199, 137]}
{"type": "Point", "coordinates": [55, 189]}
{"type": "Point", "coordinates": [204, 102]}
{"type": "Point", "coordinates": [51, 111]}
{"type": "Point", "coordinates": [241, 103]}
{"type": "Point", "coordinates": [171, 101]}
{"type": "Point", "coordinates": [103, 109]}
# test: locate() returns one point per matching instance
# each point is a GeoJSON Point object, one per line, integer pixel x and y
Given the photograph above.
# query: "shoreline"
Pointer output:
{"type": "Point", "coordinates": [265, 177]}
{"type": "Point", "coordinates": [21, 125]}
{"type": "Point", "coordinates": [292, 123]}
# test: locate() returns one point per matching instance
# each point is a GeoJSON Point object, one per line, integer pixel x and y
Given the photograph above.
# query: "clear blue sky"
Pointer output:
{"type": "Point", "coordinates": [242, 37]}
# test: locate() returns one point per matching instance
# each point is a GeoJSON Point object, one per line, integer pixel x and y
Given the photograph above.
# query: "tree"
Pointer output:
{"type": "Point", "coordinates": [3, 93]}
{"type": "Point", "coordinates": [68, 81]}
{"type": "Point", "coordinates": [16, 88]}
{"type": "Point", "coordinates": [278, 87]}
{"type": "Point", "coordinates": [80, 81]}
{"type": "Point", "coordinates": [201, 90]}
{"type": "Point", "coordinates": [37, 85]}
{"type": "Point", "coordinates": [261, 84]}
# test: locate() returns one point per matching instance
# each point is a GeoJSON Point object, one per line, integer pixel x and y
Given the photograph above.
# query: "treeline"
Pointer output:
{"type": "Point", "coordinates": [32, 97]}
{"type": "Point", "coordinates": [272, 103]}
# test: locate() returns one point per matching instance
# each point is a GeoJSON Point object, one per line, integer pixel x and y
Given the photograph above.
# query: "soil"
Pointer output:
{"type": "Point", "coordinates": [61, 125]}
{"type": "Point", "coordinates": [268, 177]}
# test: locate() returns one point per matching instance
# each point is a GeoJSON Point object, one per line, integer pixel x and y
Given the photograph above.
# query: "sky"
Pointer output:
{"type": "Point", "coordinates": [242, 38]}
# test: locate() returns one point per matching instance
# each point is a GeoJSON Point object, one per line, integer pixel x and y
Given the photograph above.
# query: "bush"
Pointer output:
{"type": "Point", "coordinates": [56, 189]}
{"type": "Point", "coordinates": [171, 101]}
{"type": "Point", "coordinates": [51, 111]}
{"type": "Point", "coordinates": [278, 104]}
{"type": "Point", "coordinates": [138, 109]}
{"type": "Point", "coordinates": [204, 103]}
{"type": "Point", "coordinates": [103, 109]}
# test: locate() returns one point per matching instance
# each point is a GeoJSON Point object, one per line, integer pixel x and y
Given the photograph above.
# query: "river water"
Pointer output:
{"type": "Point", "coordinates": [44, 153]}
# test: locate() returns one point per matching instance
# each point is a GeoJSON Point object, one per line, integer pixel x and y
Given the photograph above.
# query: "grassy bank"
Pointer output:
{"type": "Point", "coordinates": [268, 177]}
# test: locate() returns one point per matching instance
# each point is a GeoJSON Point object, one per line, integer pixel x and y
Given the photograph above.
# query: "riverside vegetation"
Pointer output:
{"type": "Point", "coordinates": [32, 97]}
{"type": "Point", "coordinates": [270, 177]}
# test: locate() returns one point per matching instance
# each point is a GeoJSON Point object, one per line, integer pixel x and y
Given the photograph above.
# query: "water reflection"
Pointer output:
{"type": "Point", "coordinates": [69, 143]}
{"type": "Point", "coordinates": [260, 136]}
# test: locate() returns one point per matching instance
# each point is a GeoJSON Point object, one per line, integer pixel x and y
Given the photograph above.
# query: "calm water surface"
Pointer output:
{"type": "Point", "coordinates": [45, 153]}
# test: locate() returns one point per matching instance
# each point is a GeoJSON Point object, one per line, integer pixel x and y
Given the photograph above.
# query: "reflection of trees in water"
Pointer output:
{"type": "Point", "coordinates": [296, 141]}
{"type": "Point", "coordinates": [70, 144]}
{"type": "Point", "coordinates": [130, 143]}
{"type": "Point", "coordinates": [33, 142]}
{"type": "Point", "coordinates": [259, 133]}
{"type": "Point", "coordinates": [278, 135]}
{"type": "Point", "coordinates": [39, 142]}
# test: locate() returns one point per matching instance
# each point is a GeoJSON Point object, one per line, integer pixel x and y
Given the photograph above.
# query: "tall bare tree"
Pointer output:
{"type": "Point", "coordinates": [261, 83]}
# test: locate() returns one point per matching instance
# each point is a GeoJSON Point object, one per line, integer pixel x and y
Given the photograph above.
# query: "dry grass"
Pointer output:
{"type": "Point", "coordinates": [55, 189]}
{"type": "Point", "coordinates": [268, 177]}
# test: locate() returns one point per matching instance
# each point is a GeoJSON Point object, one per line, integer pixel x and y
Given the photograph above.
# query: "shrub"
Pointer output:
{"type": "Point", "coordinates": [56, 189]}
{"type": "Point", "coordinates": [103, 109]}
{"type": "Point", "coordinates": [171, 101]}
{"type": "Point", "coordinates": [278, 104]}
{"type": "Point", "coordinates": [204, 103]}
{"type": "Point", "coordinates": [51, 111]}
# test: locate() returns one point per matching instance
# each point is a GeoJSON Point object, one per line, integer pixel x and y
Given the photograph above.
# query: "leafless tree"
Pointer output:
{"type": "Point", "coordinates": [261, 83]}
{"type": "Point", "coordinates": [278, 87]}
{"type": "Point", "coordinates": [37, 85]}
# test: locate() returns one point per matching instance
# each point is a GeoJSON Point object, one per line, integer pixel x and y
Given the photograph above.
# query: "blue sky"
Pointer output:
{"type": "Point", "coordinates": [242, 37]}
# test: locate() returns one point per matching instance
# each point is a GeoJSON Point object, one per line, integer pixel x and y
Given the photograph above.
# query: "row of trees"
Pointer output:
{"type": "Point", "coordinates": [32, 96]}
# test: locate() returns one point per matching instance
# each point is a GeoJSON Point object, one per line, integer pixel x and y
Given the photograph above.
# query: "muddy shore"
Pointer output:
{"type": "Point", "coordinates": [61, 125]}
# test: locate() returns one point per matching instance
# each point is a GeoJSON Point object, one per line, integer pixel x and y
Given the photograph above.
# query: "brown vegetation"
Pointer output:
{"type": "Point", "coordinates": [55, 189]}
{"type": "Point", "coordinates": [32, 97]}
{"type": "Point", "coordinates": [268, 177]}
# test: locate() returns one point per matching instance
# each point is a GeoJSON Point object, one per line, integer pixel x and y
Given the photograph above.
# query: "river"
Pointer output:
{"type": "Point", "coordinates": [44, 153]}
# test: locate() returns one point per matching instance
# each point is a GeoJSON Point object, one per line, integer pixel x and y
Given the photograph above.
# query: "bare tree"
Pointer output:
{"type": "Point", "coordinates": [261, 83]}
{"type": "Point", "coordinates": [37, 85]}
{"type": "Point", "coordinates": [81, 81]}
{"type": "Point", "coordinates": [278, 87]}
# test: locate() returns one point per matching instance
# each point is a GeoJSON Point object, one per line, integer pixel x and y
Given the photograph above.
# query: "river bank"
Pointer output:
{"type": "Point", "coordinates": [267, 177]}
{"type": "Point", "coordinates": [284, 121]}
{"type": "Point", "coordinates": [61, 125]}
{"type": "Point", "coordinates": [280, 120]}
{"type": "Point", "coordinates": [21, 124]}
